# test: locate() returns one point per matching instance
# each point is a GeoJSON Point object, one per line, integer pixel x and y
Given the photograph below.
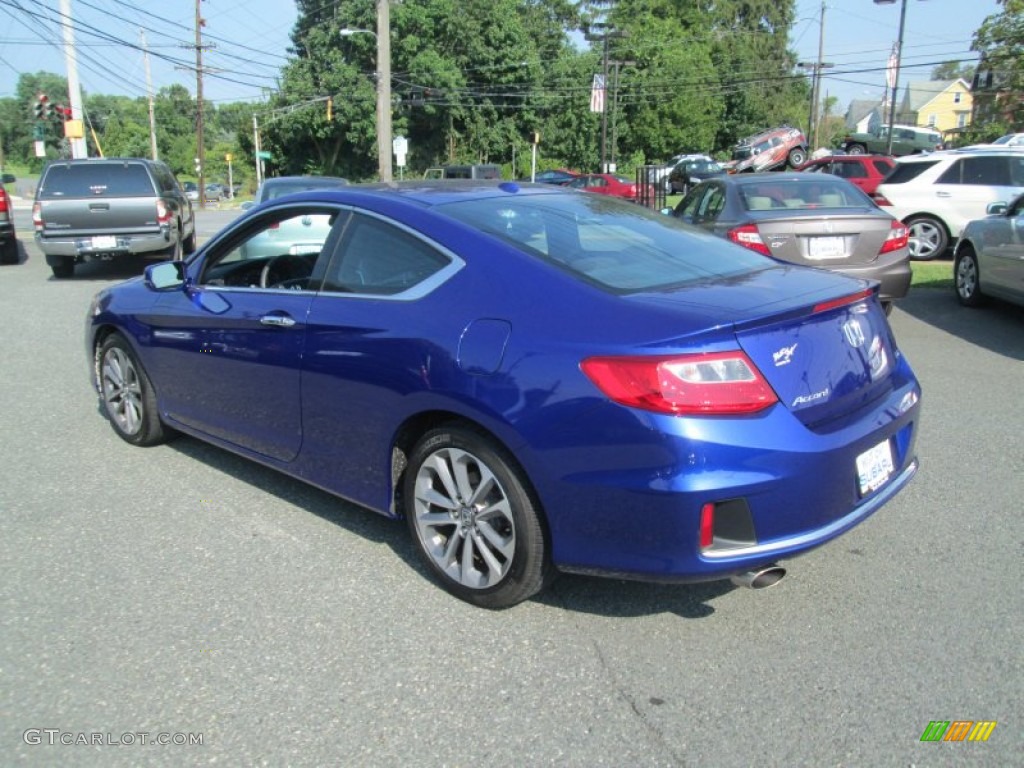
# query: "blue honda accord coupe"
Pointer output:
{"type": "Point", "coordinates": [538, 380]}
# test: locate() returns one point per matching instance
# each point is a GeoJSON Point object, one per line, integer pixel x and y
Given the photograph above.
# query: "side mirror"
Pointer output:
{"type": "Point", "coordinates": [996, 209]}
{"type": "Point", "coordinates": [166, 276]}
{"type": "Point", "coordinates": [666, 211]}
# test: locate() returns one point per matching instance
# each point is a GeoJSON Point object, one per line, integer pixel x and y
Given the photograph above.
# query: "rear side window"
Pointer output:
{"type": "Point", "coordinates": [882, 166]}
{"type": "Point", "coordinates": [989, 171]}
{"type": "Point", "coordinates": [904, 172]}
{"type": "Point", "coordinates": [96, 180]}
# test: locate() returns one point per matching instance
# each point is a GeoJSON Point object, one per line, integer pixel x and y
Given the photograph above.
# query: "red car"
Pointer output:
{"type": "Point", "coordinates": [607, 184]}
{"type": "Point", "coordinates": [865, 171]}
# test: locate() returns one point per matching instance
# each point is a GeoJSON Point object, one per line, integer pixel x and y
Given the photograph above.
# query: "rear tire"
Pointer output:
{"type": "Point", "coordinates": [474, 520]}
{"type": "Point", "coordinates": [928, 238]}
{"type": "Point", "coordinates": [126, 394]}
{"type": "Point", "coordinates": [797, 157]}
{"type": "Point", "coordinates": [65, 268]}
{"type": "Point", "coordinates": [967, 278]}
{"type": "Point", "coordinates": [857, 149]}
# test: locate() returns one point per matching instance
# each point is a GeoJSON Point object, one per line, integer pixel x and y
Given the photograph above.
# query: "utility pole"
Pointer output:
{"type": "Point", "coordinates": [604, 38]}
{"type": "Point", "coordinates": [815, 67]}
{"type": "Point", "coordinates": [149, 93]}
{"type": "Point", "coordinates": [200, 156]}
{"type": "Point", "coordinates": [384, 89]}
{"type": "Point", "coordinates": [78, 147]}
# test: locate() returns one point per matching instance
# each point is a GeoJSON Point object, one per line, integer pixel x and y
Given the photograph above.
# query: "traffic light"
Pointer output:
{"type": "Point", "coordinates": [48, 110]}
{"type": "Point", "coordinates": [330, 108]}
{"type": "Point", "coordinates": [39, 108]}
{"type": "Point", "coordinates": [62, 113]}
{"type": "Point", "coordinates": [535, 137]}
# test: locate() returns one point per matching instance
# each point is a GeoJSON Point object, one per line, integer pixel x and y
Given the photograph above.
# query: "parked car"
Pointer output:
{"type": "Point", "coordinates": [906, 140]}
{"type": "Point", "coordinates": [989, 257]}
{"type": "Point", "coordinates": [214, 193]}
{"type": "Point", "coordinates": [686, 173]}
{"type": "Point", "coordinates": [8, 237]}
{"type": "Point", "coordinates": [478, 171]}
{"type": "Point", "coordinates": [191, 190]}
{"type": "Point", "coordinates": [936, 195]}
{"type": "Point", "coordinates": [104, 208]}
{"type": "Point", "coordinates": [770, 150]}
{"type": "Point", "coordinates": [863, 171]}
{"type": "Point", "coordinates": [658, 174]}
{"type": "Point", "coordinates": [608, 184]}
{"type": "Point", "coordinates": [814, 220]}
{"type": "Point", "coordinates": [1010, 140]}
{"type": "Point", "coordinates": [438, 359]}
{"type": "Point", "coordinates": [558, 176]}
{"type": "Point", "coordinates": [278, 186]}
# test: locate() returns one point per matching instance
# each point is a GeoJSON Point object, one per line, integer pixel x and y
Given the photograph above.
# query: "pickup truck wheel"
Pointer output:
{"type": "Point", "coordinates": [66, 268]}
{"type": "Point", "coordinates": [126, 394]}
{"type": "Point", "coordinates": [857, 149]}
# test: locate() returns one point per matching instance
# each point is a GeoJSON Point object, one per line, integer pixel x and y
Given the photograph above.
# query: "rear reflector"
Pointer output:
{"type": "Point", "coordinates": [707, 525]}
{"type": "Point", "coordinates": [716, 383]}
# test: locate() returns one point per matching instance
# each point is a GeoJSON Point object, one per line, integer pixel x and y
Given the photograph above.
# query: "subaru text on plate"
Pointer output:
{"type": "Point", "coordinates": [537, 380]}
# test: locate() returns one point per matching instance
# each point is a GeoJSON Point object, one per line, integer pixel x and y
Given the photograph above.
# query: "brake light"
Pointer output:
{"type": "Point", "coordinates": [3, 200]}
{"type": "Point", "coordinates": [853, 298]}
{"type": "Point", "coordinates": [880, 199]}
{"type": "Point", "coordinates": [37, 216]}
{"type": "Point", "coordinates": [712, 384]}
{"type": "Point", "coordinates": [898, 238]}
{"type": "Point", "coordinates": [163, 213]}
{"type": "Point", "coordinates": [748, 236]}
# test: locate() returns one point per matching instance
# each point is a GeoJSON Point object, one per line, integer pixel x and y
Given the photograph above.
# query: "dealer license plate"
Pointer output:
{"type": "Point", "coordinates": [821, 248]}
{"type": "Point", "coordinates": [104, 242]}
{"type": "Point", "coordinates": [874, 467]}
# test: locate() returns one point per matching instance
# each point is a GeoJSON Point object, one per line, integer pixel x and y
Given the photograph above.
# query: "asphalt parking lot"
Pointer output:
{"type": "Point", "coordinates": [182, 591]}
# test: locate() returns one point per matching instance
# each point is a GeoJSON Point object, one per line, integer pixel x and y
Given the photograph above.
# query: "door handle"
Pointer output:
{"type": "Point", "coordinates": [943, 194]}
{"type": "Point", "coordinates": [277, 321]}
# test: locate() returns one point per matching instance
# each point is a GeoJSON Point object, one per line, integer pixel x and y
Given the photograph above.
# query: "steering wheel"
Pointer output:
{"type": "Point", "coordinates": [286, 268]}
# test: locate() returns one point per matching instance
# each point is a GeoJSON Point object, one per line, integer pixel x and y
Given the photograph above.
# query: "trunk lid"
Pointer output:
{"type": "Point", "coordinates": [830, 241]}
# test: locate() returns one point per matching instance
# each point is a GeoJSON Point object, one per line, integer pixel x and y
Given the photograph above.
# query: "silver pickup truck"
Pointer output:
{"type": "Point", "coordinates": [102, 208]}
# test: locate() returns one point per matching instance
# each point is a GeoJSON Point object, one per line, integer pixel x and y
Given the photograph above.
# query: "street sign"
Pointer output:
{"type": "Point", "coordinates": [400, 146]}
{"type": "Point", "coordinates": [264, 155]}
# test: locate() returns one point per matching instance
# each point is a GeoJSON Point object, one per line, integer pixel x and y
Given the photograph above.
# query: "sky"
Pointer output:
{"type": "Point", "coordinates": [250, 39]}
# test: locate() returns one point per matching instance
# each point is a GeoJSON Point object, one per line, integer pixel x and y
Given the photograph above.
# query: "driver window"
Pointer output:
{"type": "Point", "coordinates": [277, 251]}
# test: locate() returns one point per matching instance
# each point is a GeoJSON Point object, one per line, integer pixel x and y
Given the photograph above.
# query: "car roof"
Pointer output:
{"type": "Point", "coordinates": [430, 192]}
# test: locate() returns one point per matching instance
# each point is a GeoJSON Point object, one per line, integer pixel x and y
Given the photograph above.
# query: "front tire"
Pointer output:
{"type": "Point", "coordinates": [928, 238]}
{"type": "Point", "coordinates": [857, 149]}
{"type": "Point", "coordinates": [127, 394]}
{"type": "Point", "coordinates": [797, 157]}
{"type": "Point", "coordinates": [967, 278]}
{"type": "Point", "coordinates": [474, 519]}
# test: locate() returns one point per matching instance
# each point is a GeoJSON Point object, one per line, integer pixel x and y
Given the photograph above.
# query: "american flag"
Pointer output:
{"type": "Point", "coordinates": [597, 94]}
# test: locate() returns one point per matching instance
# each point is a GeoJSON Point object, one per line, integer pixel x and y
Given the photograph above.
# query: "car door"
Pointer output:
{"type": "Point", "coordinates": [1002, 253]}
{"type": "Point", "coordinates": [234, 338]}
{"type": "Point", "coordinates": [965, 190]}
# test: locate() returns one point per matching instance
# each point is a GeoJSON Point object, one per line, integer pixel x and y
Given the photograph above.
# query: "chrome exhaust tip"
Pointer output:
{"type": "Point", "coordinates": [768, 576]}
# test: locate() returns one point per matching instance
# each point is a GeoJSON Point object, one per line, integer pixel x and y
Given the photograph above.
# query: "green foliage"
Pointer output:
{"type": "Point", "coordinates": [1000, 39]}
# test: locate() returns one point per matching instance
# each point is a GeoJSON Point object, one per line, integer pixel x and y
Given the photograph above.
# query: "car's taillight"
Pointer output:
{"type": "Point", "coordinates": [3, 201]}
{"type": "Point", "coordinates": [880, 199]}
{"type": "Point", "coordinates": [163, 213]}
{"type": "Point", "coordinates": [853, 298]}
{"type": "Point", "coordinates": [898, 238]}
{"type": "Point", "coordinates": [715, 383]}
{"type": "Point", "coordinates": [748, 236]}
{"type": "Point", "coordinates": [37, 216]}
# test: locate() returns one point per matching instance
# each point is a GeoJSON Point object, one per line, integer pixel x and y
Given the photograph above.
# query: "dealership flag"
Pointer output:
{"type": "Point", "coordinates": [597, 94]}
{"type": "Point", "coordinates": [890, 70]}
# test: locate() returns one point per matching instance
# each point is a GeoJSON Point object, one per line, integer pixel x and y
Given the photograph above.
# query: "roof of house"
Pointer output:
{"type": "Point", "coordinates": [921, 92]}
{"type": "Point", "coordinates": [859, 109]}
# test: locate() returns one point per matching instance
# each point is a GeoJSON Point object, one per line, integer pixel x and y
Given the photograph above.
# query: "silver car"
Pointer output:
{"type": "Point", "coordinates": [989, 258]}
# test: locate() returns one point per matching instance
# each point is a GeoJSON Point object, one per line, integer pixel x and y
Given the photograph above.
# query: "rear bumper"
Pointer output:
{"type": "Point", "coordinates": [891, 270]}
{"type": "Point", "coordinates": [85, 248]}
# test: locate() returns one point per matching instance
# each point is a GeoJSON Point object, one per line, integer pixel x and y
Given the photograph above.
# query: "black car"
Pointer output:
{"type": "Point", "coordinates": [686, 173]}
{"type": "Point", "coordinates": [8, 240]}
{"type": "Point", "coordinates": [554, 176]}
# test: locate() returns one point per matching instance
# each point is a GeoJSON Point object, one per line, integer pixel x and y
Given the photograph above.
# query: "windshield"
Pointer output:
{"type": "Point", "coordinates": [619, 246]}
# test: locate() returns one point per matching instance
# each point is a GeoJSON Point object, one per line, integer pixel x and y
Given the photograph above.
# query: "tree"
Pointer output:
{"type": "Point", "coordinates": [953, 70]}
{"type": "Point", "coordinates": [1000, 40]}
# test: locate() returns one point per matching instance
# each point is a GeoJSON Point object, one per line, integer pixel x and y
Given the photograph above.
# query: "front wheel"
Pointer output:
{"type": "Point", "coordinates": [797, 157]}
{"type": "Point", "coordinates": [127, 394]}
{"type": "Point", "coordinates": [474, 520]}
{"type": "Point", "coordinates": [857, 149]}
{"type": "Point", "coordinates": [967, 277]}
{"type": "Point", "coordinates": [928, 238]}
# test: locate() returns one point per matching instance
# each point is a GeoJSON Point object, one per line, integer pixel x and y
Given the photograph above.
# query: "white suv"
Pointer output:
{"type": "Point", "coordinates": [936, 195]}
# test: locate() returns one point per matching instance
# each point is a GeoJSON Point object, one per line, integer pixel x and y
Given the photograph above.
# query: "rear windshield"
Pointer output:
{"type": "Point", "coordinates": [904, 172]}
{"type": "Point", "coordinates": [802, 194]}
{"type": "Point", "coordinates": [96, 180]}
{"type": "Point", "coordinates": [618, 246]}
